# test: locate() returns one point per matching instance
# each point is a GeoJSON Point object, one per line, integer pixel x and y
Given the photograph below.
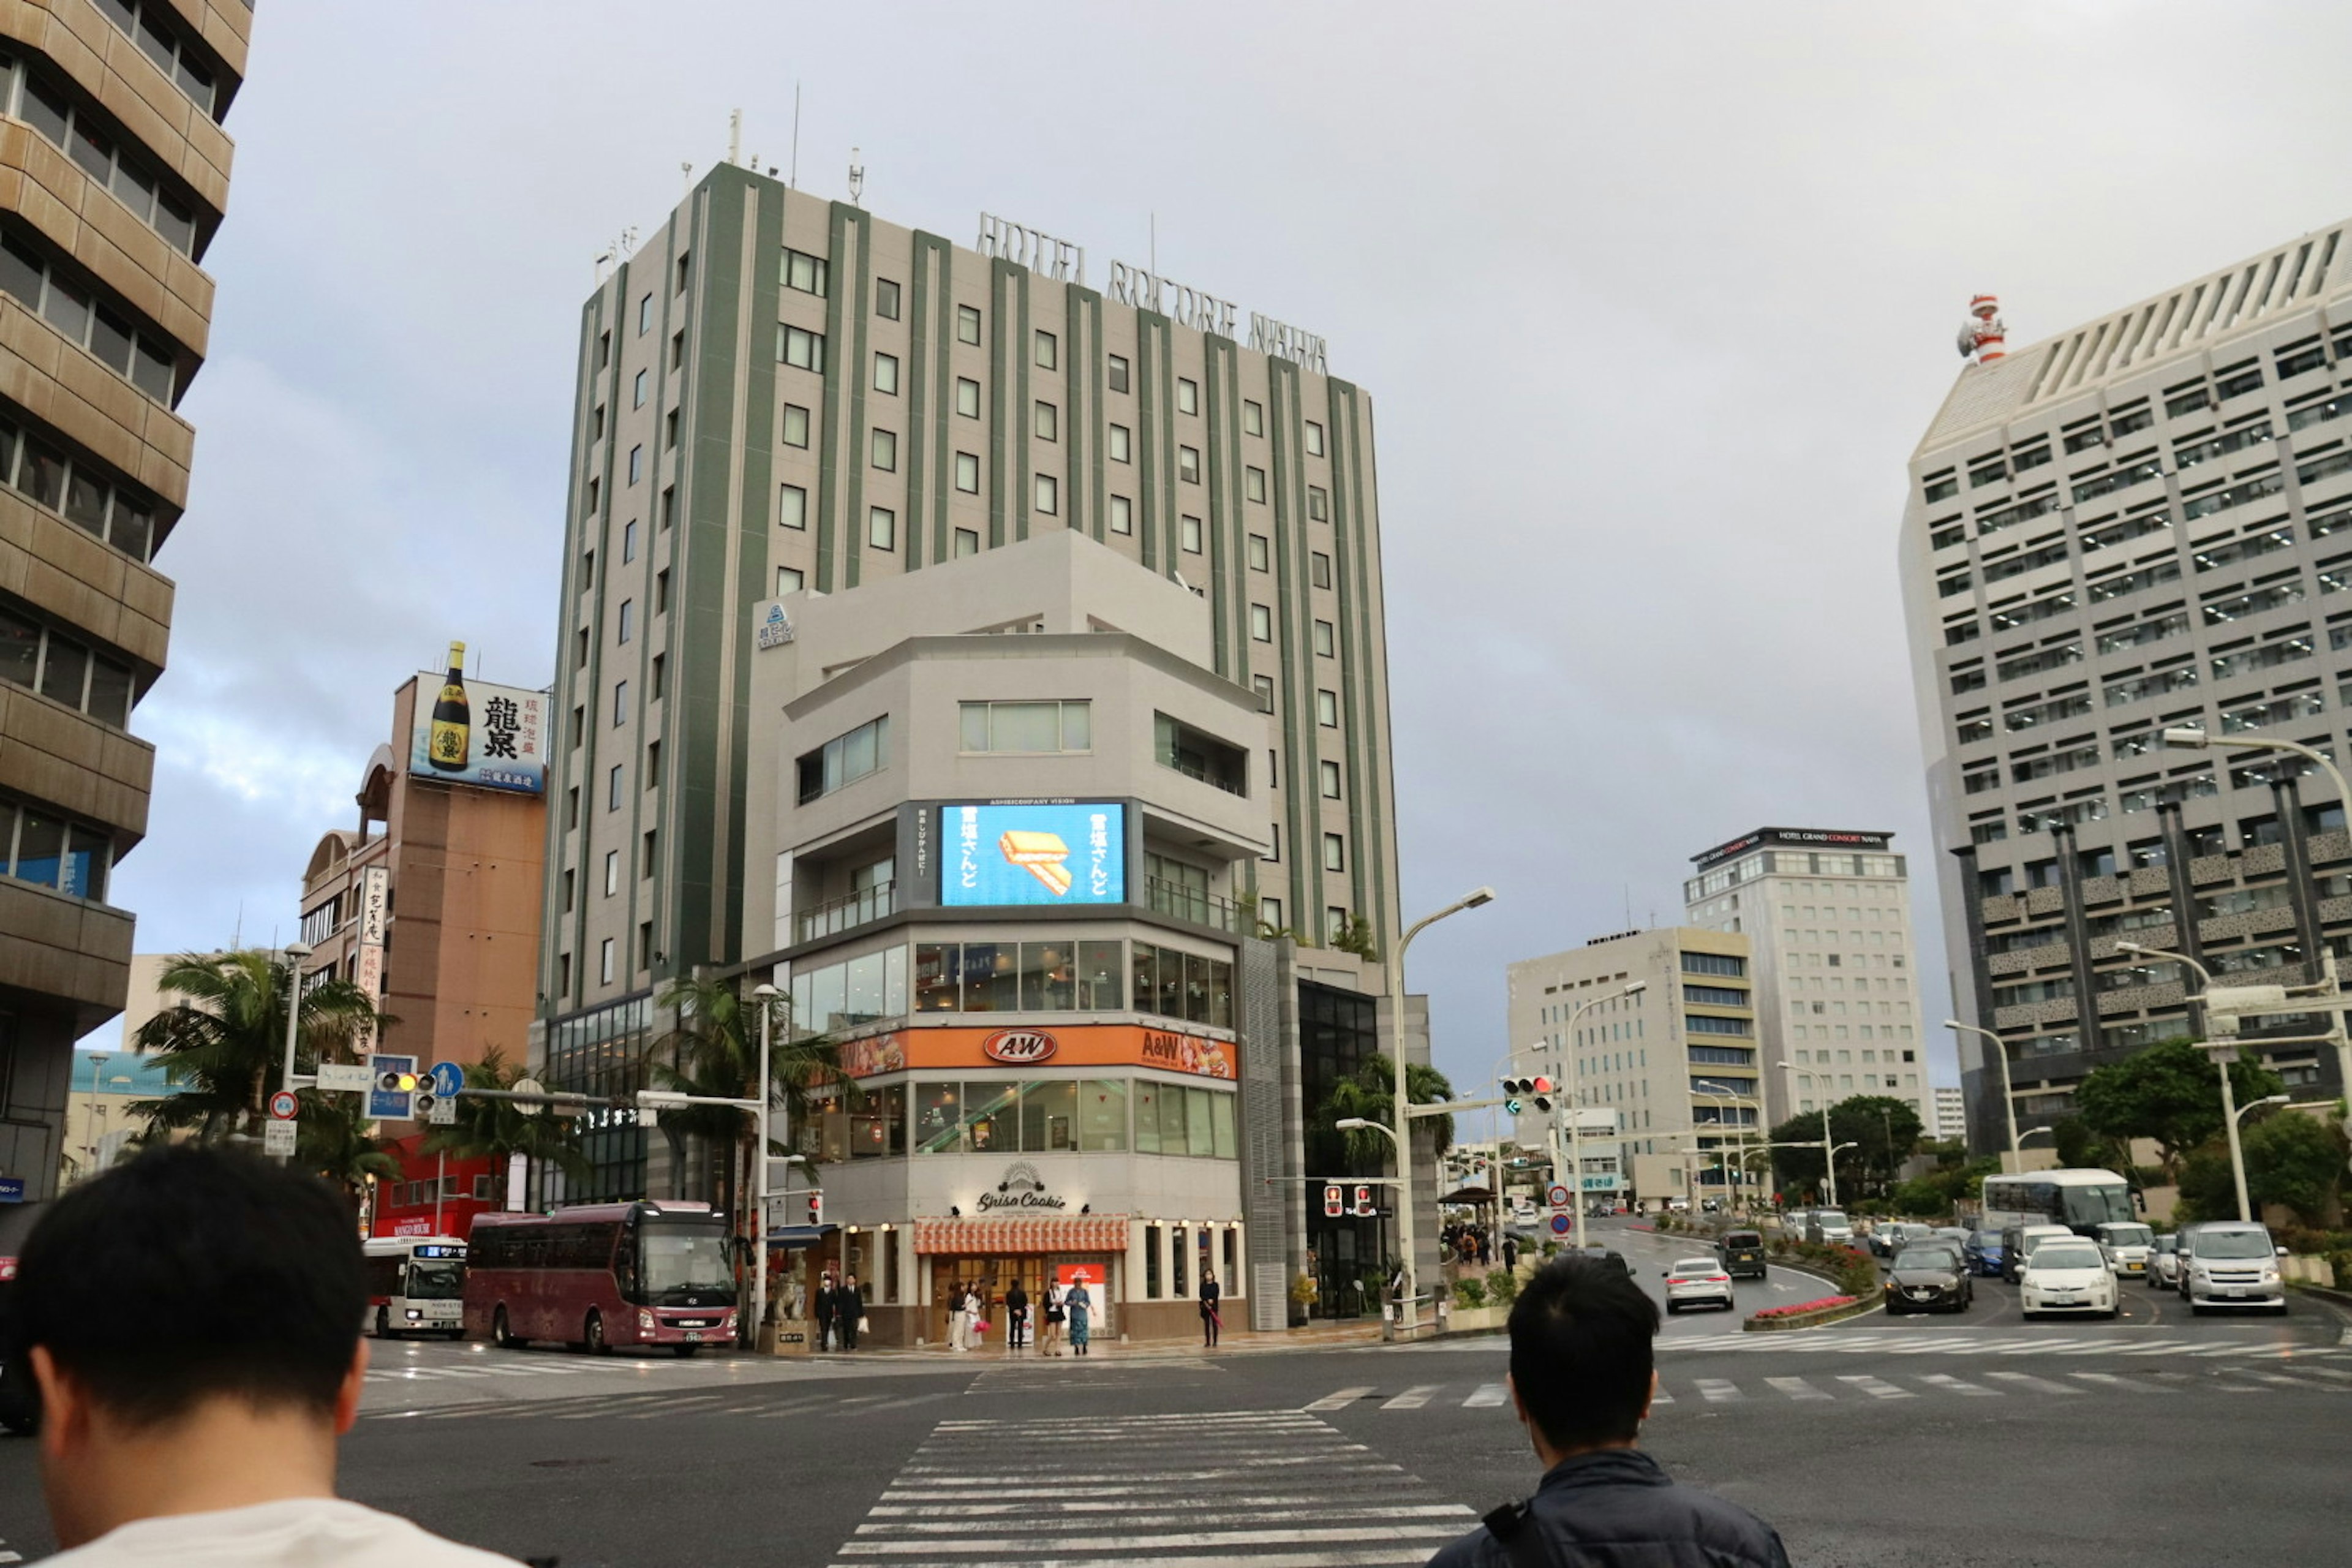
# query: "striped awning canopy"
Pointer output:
{"type": "Point", "coordinates": [1008, 1236]}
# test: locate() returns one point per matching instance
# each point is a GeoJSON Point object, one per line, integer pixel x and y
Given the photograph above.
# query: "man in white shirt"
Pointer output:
{"type": "Point", "coordinates": [191, 1322]}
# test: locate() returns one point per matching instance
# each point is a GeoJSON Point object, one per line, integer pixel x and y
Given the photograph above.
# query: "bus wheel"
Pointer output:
{"type": "Point", "coordinates": [592, 1333]}
{"type": "Point", "coordinates": [501, 1334]}
{"type": "Point", "coordinates": [384, 1322]}
{"type": "Point", "coordinates": [682, 1351]}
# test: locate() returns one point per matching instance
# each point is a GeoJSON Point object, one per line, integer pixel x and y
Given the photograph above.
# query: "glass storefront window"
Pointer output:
{"type": "Point", "coordinates": [878, 1129]}
{"type": "Point", "coordinates": [828, 995]}
{"type": "Point", "coordinates": [939, 1118]}
{"type": "Point", "coordinates": [1172, 1120]}
{"type": "Point", "coordinates": [1221, 1114]}
{"type": "Point", "coordinates": [1102, 1114]}
{"type": "Point", "coordinates": [989, 1121]}
{"type": "Point", "coordinates": [1200, 1137]}
{"type": "Point", "coordinates": [1049, 979]}
{"type": "Point", "coordinates": [1049, 1111]}
{"type": "Point", "coordinates": [935, 977]}
{"type": "Point", "coordinates": [863, 1003]}
{"type": "Point", "coordinates": [1147, 1117]}
{"type": "Point", "coordinates": [1101, 977]}
{"type": "Point", "coordinates": [1178, 1275]}
{"type": "Point", "coordinates": [991, 983]}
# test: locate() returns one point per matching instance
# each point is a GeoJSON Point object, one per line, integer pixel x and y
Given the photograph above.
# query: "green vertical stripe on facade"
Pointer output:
{"type": "Point", "coordinates": [1098, 433]}
{"type": "Point", "coordinates": [1082, 418]}
{"type": "Point", "coordinates": [853, 521]}
{"type": "Point", "coordinates": [1003, 347]}
{"type": "Point", "coordinates": [1152, 453]}
{"type": "Point", "coordinates": [1298, 682]}
{"type": "Point", "coordinates": [1355, 689]}
{"type": "Point", "coordinates": [916, 449]}
{"type": "Point", "coordinates": [1025, 420]}
{"type": "Point", "coordinates": [932, 395]}
{"type": "Point", "coordinates": [1365, 631]}
{"type": "Point", "coordinates": [828, 463]}
{"type": "Point", "coordinates": [1223, 442]}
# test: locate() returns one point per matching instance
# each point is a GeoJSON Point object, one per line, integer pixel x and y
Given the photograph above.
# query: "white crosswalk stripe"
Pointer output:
{"type": "Point", "coordinates": [2031, 1341]}
{"type": "Point", "coordinates": [2110, 1380]}
{"type": "Point", "coordinates": [1341, 1399]}
{"type": "Point", "coordinates": [1716, 1391]}
{"type": "Point", "coordinates": [1487, 1394]}
{"type": "Point", "coordinates": [1183, 1491]}
{"type": "Point", "coordinates": [2027, 1379]}
{"type": "Point", "coordinates": [1957, 1386]}
{"type": "Point", "coordinates": [1874, 1387]}
{"type": "Point", "coordinates": [1798, 1389]}
{"type": "Point", "coordinates": [1413, 1398]}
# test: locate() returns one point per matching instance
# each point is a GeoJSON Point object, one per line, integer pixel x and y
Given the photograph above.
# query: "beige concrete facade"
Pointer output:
{"type": "Point", "coordinates": [113, 178]}
{"type": "Point", "coordinates": [1675, 1062]}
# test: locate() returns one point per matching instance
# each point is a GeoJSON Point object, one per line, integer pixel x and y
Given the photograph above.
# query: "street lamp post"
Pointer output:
{"type": "Point", "coordinates": [2238, 1166]}
{"type": "Point", "coordinates": [296, 952]}
{"type": "Point", "coordinates": [2000, 1054]}
{"type": "Point", "coordinates": [1829, 1155]}
{"type": "Point", "coordinates": [766, 996]}
{"type": "Point", "coordinates": [2221, 1055]}
{"type": "Point", "coordinates": [1396, 1021]}
{"type": "Point", "coordinates": [1739, 1134]}
{"type": "Point", "coordinates": [2198, 741]}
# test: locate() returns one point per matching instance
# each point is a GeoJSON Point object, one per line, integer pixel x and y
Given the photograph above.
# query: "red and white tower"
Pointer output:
{"type": "Point", "coordinates": [1984, 336]}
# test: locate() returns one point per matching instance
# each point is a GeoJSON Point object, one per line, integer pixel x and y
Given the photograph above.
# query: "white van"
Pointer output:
{"type": "Point", "coordinates": [1829, 1227]}
{"type": "Point", "coordinates": [2232, 1263]}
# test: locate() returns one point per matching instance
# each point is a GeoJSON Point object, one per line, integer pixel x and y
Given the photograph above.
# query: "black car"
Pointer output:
{"type": "Point", "coordinates": [1742, 1253]}
{"type": "Point", "coordinates": [1607, 1255]}
{"type": "Point", "coordinates": [1928, 1277]}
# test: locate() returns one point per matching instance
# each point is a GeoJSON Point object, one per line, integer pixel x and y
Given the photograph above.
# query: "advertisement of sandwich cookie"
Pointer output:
{"type": "Point", "coordinates": [1034, 853]}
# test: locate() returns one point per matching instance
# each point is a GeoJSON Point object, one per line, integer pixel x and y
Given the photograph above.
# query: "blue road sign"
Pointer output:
{"type": "Point", "coordinates": [1562, 1224]}
{"type": "Point", "coordinates": [448, 1077]}
{"type": "Point", "coordinates": [12, 1189]}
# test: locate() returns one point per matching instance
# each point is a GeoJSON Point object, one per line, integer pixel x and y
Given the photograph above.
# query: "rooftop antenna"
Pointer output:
{"type": "Point", "coordinates": [685, 178]}
{"type": "Point", "coordinates": [856, 177]}
{"type": "Point", "coordinates": [795, 182]}
{"type": "Point", "coordinates": [734, 136]}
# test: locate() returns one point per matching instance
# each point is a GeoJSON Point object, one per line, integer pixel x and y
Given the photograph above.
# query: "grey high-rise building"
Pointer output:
{"type": "Point", "coordinates": [779, 393]}
{"type": "Point", "coordinates": [2141, 523]}
{"type": "Point", "coordinates": [117, 176]}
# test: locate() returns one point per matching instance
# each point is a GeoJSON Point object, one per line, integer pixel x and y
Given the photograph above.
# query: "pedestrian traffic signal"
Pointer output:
{"type": "Point", "coordinates": [1363, 1201]}
{"type": "Point", "coordinates": [816, 1209]}
{"type": "Point", "coordinates": [1334, 1204]}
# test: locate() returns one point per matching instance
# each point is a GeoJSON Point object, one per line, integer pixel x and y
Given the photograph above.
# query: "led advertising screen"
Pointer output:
{"type": "Point", "coordinates": [1032, 853]}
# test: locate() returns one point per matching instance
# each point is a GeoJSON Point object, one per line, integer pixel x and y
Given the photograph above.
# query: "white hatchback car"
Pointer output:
{"type": "Point", "coordinates": [1697, 1281]}
{"type": "Point", "coordinates": [2068, 1276]}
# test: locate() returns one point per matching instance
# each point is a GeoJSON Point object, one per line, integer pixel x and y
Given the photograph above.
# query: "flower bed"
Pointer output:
{"type": "Point", "coordinates": [1806, 1314]}
{"type": "Point", "coordinates": [1805, 1307]}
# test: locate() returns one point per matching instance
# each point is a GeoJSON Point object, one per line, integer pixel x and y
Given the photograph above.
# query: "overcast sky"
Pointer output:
{"type": "Point", "coordinates": [1652, 303]}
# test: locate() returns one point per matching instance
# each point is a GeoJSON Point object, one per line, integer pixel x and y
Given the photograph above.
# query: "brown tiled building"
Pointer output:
{"type": "Point", "coordinates": [113, 178]}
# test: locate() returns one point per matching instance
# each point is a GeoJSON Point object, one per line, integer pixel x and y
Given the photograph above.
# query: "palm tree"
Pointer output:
{"type": "Point", "coordinates": [1370, 1092]}
{"type": "Point", "coordinates": [333, 1139]}
{"type": "Point", "coordinates": [499, 1129]}
{"type": "Point", "coordinates": [225, 1038]}
{"type": "Point", "coordinates": [714, 1052]}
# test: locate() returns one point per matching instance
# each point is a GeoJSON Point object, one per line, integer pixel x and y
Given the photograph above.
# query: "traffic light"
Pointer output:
{"type": "Point", "coordinates": [1332, 1206]}
{"type": "Point", "coordinates": [816, 1209]}
{"type": "Point", "coordinates": [1527, 1093]}
{"type": "Point", "coordinates": [420, 1105]}
{"type": "Point", "coordinates": [396, 1082]}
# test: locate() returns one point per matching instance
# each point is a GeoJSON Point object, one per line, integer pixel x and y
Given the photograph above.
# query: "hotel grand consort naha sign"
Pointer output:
{"type": "Point", "coordinates": [1059, 259]}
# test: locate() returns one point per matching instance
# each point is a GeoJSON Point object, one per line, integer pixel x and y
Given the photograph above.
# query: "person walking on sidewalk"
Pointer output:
{"type": "Point", "coordinates": [955, 1317]}
{"type": "Point", "coordinates": [849, 1311]}
{"type": "Point", "coordinates": [1210, 1321]}
{"type": "Point", "coordinates": [1078, 1304]}
{"type": "Point", "coordinates": [1016, 1317]}
{"type": "Point", "coordinates": [824, 1305]}
{"type": "Point", "coordinates": [1051, 1343]}
{"type": "Point", "coordinates": [972, 1307]}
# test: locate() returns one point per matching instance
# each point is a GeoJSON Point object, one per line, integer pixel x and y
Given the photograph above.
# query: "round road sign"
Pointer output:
{"type": "Point", "coordinates": [283, 1105]}
{"type": "Point", "coordinates": [1559, 1195]}
{"type": "Point", "coordinates": [1561, 1224]}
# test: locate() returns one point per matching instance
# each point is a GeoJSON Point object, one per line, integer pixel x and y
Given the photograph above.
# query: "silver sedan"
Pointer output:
{"type": "Point", "coordinates": [1697, 1281]}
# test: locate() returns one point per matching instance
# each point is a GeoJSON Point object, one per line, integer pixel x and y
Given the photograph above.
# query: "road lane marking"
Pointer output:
{"type": "Point", "coordinates": [1486, 1396]}
{"type": "Point", "coordinates": [2039, 1384]}
{"type": "Point", "coordinates": [1716, 1391]}
{"type": "Point", "coordinates": [1875, 1387]}
{"type": "Point", "coordinates": [1413, 1398]}
{"type": "Point", "coordinates": [1951, 1385]}
{"type": "Point", "coordinates": [1342, 1399]}
{"type": "Point", "coordinates": [2111, 1379]}
{"type": "Point", "coordinates": [1797, 1388]}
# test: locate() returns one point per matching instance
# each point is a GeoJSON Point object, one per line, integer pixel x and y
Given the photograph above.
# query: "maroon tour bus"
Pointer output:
{"type": "Point", "coordinates": [603, 1275]}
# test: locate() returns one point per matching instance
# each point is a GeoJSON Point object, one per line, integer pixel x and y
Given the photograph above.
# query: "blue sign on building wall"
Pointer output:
{"type": "Point", "coordinates": [1032, 853]}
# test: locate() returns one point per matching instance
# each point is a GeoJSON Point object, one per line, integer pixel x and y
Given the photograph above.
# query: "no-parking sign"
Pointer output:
{"type": "Point", "coordinates": [1561, 1224]}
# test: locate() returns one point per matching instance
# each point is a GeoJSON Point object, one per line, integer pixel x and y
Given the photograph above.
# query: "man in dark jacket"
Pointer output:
{"type": "Point", "coordinates": [1581, 1380]}
{"type": "Point", "coordinates": [849, 1310]}
{"type": "Point", "coordinates": [820, 1308]}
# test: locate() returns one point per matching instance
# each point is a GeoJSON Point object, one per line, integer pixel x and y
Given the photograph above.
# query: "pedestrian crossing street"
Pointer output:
{"type": "Point", "coordinates": [1851, 1387]}
{"type": "Point", "coordinates": [2006, 1343]}
{"type": "Point", "coordinates": [1262, 1489]}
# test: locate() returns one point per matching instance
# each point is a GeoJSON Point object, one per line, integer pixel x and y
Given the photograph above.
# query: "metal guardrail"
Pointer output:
{"type": "Point", "coordinates": [1197, 905]}
{"type": "Point", "coordinates": [1195, 771]}
{"type": "Point", "coordinates": [847, 912]}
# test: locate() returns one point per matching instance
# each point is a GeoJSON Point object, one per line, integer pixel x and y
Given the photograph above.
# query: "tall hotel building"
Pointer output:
{"type": "Point", "coordinates": [2140, 522]}
{"type": "Point", "coordinates": [1828, 913]}
{"type": "Point", "coordinates": [1030, 546]}
{"type": "Point", "coordinates": [114, 176]}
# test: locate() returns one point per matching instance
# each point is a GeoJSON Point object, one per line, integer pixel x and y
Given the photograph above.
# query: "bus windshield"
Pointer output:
{"type": "Point", "coordinates": [2094, 1205]}
{"type": "Point", "coordinates": [685, 1260]}
{"type": "Point", "coordinates": [436, 1281]}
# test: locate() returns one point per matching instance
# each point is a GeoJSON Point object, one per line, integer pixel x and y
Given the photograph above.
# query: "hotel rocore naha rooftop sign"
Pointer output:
{"type": "Point", "coordinates": [1064, 262]}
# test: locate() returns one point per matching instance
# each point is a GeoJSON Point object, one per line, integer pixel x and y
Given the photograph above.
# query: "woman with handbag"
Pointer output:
{"type": "Point", "coordinates": [1051, 1343]}
{"type": "Point", "coordinates": [955, 1317]}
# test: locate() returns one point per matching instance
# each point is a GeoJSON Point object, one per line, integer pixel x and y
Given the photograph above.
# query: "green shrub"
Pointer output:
{"type": "Point", "coordinates": [1470, 1294]}
{"type": "Point", "coordinates": [1503, 1286]}
{"type": "Point", "coordinates": [1857, 1276]}
{"type": "Point", "coordinates": [2341, 1262]}
{"type": "Point", "coordinates": [1551, 1250]}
